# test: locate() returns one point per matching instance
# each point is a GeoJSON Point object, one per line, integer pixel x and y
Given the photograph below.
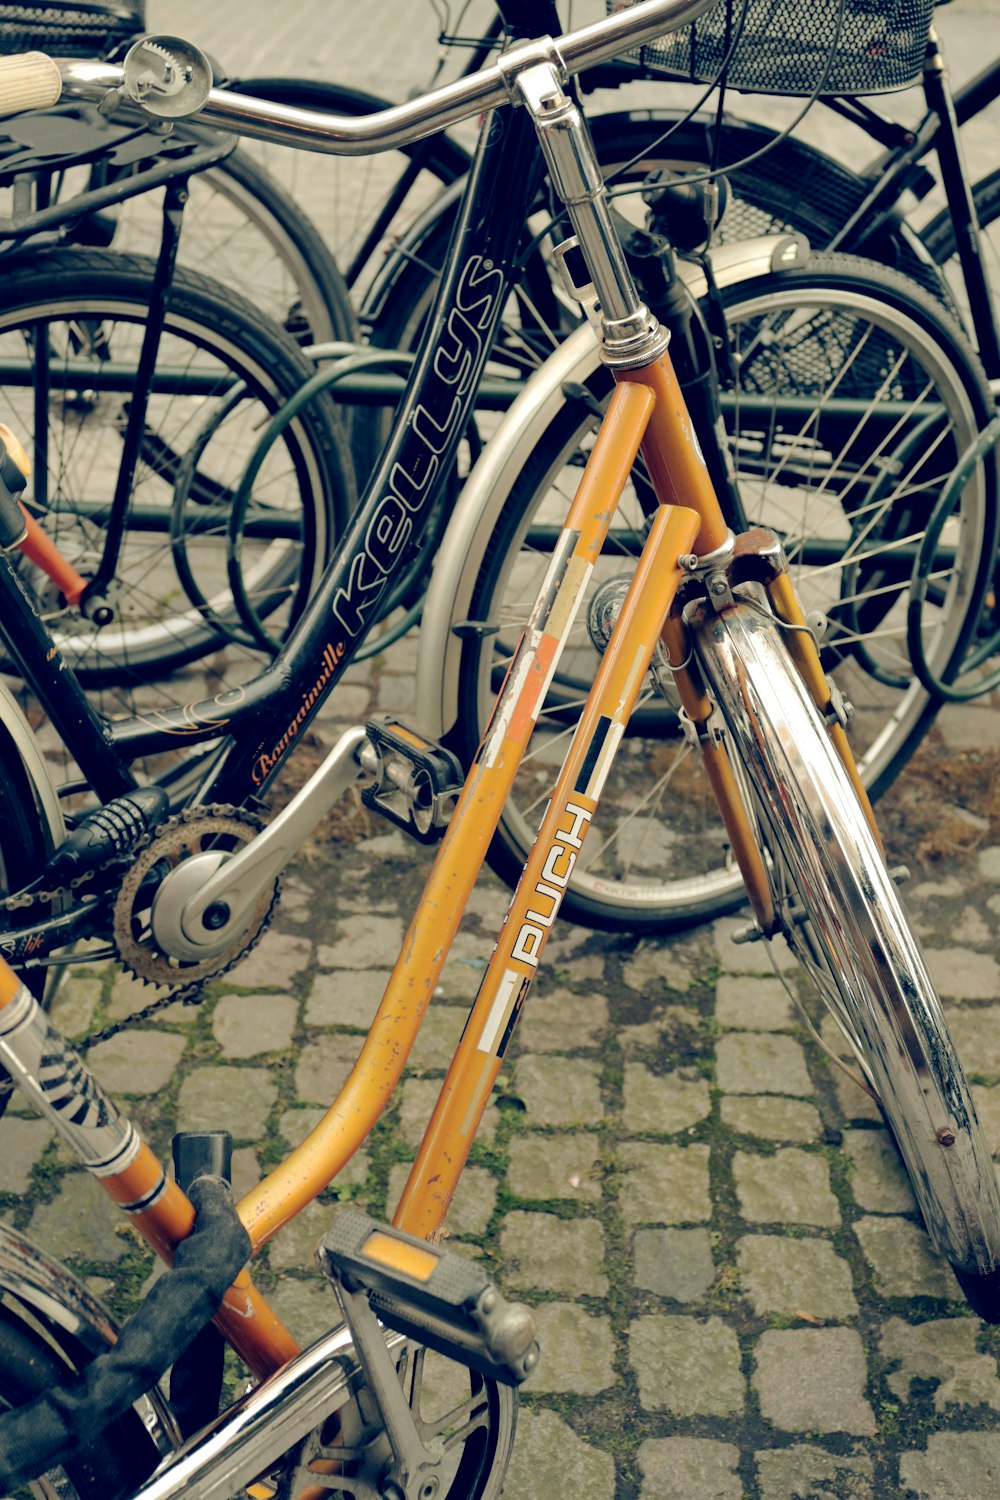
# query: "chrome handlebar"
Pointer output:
{"type": "Point", "coordinates": [384, 130]}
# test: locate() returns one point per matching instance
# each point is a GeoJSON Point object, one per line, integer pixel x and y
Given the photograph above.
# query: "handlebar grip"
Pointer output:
{"type": "Point", "coordinates": [28, 80]}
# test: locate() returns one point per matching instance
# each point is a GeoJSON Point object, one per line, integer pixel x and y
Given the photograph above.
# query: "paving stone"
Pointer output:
{"type": "Point", "coordinates": [489, 902]}
{"type": "Point", "coordinates": [323, 1067]}
{"type": "Point", "coordinates": [235, 1099]}
{"type": "Point", "coordinates": [771, 1118]}
{"type": "Point", "coordinates": [245, 1172]}
{"type": "Point", "coordinates": [790, 1187]}
{"type": "Point", "coordinates": [789, 1276]}
{"type": "Point", "coordinates": [963, 974]}
{"type": "Point", "coordinates": [21, 1145]}
{"type": "Point", "coordinates": [294, 1246]}
{"type": "Point", "coordinates": [749, 1062]}
{"type": "Point", "coordinates": [852, 1101]}
{"type": "Point", "coordinates": [548, 1254]}
{"type": "Point", "coordinates": [813, 1379]}
{"type": "Point", "coordinates": [878, 1181]}
{"type": "Point", "coordinates": [80, 1222]}
{"type": "Point", "coordinates": [746, 1003]}
{"type": "Point", "coordinates": [364, 942]}
{"type": "Point", "coordinates": [944, 1352]}
{"type": "Point", "coordinates": [463, 972]}
{"type": "Point", "coordinates": [307, 1307]}
{"type": "Point", "coordinates": [955, 1466]}
{"type": "Point", "coordinates": [559, 1091]}
{"type": "Point", "coordinates": [471, 1208]}
{"type": "Point", "coordinates": [577, 1350]}
{"type": "Point", "coordinates": [549, 1459]}
{"type": "Point", "coordinates": [664, 1184]}
{"type": "Point", "coordinates": [437, 1038]}
{"type": "Point", "coordinates": [249, 1025]}
{"type": "Point", "coordinates": [137, 1062]}
{"type": "Point", "coordinates": [418, 1098]}
{"type": "Point", "coordinates": [683, 1468]}
{"type": "Point", "coordinates": [563, 1022]}
{"type": "Point", "coordinates": [277, 958]}
{"type": "Point", "coordinates": [749, 958]}
{"type": "Point", "coordinates": [804, 1472]}
{"type": "Point", "coordinates": [74, 1005]}
{"type": "Point", "coordinates": [972, 930]}
{"type": "Point", "coordinates": [345, 997]}
{"type": "Point", "coordinates": [130, 995]}
{"type": "Point", "coordinates": [655, 968]}
{"type": "Point", "coordinates": [687, 1366]}
{"type": "Point", "coordinates": [988, 861]}
{"type": "Point", "coordinates": [674, 1263]}
{"type": "Point", "coordinates": [936, 890]}
{"type": "Point", "coordinates": [670, 1029]}
{"type": "Point", "coordinates": [555, 1166]}
{"type": "Point", "coordinates": [976, 1034]}
{"type": "Point", "coordinates": [350, 701]}
{"type": "Point", "coordinates": [900, 1255]}
{"type": "Point", "coordinates": [664, 1102]}
{"type": "Point", "coordinates": [968, 726]}
{"type": "Point", "coordinates": [987, 1102]}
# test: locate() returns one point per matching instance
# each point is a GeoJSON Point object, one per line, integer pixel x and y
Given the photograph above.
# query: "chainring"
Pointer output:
{"type": "Point", "coordinates": [194, 831]}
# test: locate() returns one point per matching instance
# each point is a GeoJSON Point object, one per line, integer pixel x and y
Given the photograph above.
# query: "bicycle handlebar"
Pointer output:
{"type": "Point", "coordinates": [387, 129]}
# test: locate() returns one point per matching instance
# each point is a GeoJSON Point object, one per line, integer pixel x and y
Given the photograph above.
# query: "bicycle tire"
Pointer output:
{"type": "Point", "coordinates": [838, 909]}
{"type": "Point", "coordinates": [88, 311]}
{"type": "Point", "coordinates": [627, 889]}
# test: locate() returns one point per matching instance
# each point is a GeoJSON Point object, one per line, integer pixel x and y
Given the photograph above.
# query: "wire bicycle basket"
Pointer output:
{"type": "Point", "coordinates": [71, 28]}
{"type": "Point", "coordinates": [796, 47]}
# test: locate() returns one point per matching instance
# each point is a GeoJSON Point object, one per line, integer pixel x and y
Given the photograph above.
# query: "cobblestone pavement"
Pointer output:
{"type": "Point", "coordinates": [735, 1298]}
{"type": "Point", "coordinates": [734, 1295]}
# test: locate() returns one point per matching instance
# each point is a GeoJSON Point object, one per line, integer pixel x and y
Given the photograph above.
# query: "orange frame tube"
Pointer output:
{"type": "Point", "coordinates": [647, 410]}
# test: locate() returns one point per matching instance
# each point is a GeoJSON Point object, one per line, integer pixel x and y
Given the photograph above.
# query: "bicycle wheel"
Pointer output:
{"type": "Point", "coordinates": [853, 395]}
{"type": "Point", "coordinates": [243, 228]}
{"type": "Point", "coordinates": [838, 909]}
{"type": "Point", "coordinates": [71, 329]}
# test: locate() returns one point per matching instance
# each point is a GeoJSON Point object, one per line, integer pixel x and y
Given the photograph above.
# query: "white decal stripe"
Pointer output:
{"type": "Point", "coordinates": [603, 765]}
{"type": "Point", "coordinates": [497, 1019]}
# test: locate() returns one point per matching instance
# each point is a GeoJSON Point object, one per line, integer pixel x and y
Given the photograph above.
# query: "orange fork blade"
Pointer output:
{"type": "Point", "coordinates": [351, 1116]}
{"type": "Point", "coordinates": [620, 678]}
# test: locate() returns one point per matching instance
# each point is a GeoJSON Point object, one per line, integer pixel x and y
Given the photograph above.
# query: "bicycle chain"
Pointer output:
{"type": "Point", "coordinates": [189, 994]}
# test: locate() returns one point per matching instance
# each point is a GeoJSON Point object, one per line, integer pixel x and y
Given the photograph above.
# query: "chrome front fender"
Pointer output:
{"type": "Point", "coordinates": [457, 562]}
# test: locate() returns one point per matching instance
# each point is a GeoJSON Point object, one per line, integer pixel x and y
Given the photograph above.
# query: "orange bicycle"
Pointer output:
{"type": "Point", "coordinates": [713, 619]}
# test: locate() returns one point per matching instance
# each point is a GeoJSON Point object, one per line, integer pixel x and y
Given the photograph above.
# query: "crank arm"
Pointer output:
{"type": "Point", "coordinates": [205, 902]}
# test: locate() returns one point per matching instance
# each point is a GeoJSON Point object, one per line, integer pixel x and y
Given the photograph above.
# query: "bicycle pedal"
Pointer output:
{"type": "Point", "coordinates": [430, 1294]}
{"type": "Point", "coordinates": [416, 782]}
